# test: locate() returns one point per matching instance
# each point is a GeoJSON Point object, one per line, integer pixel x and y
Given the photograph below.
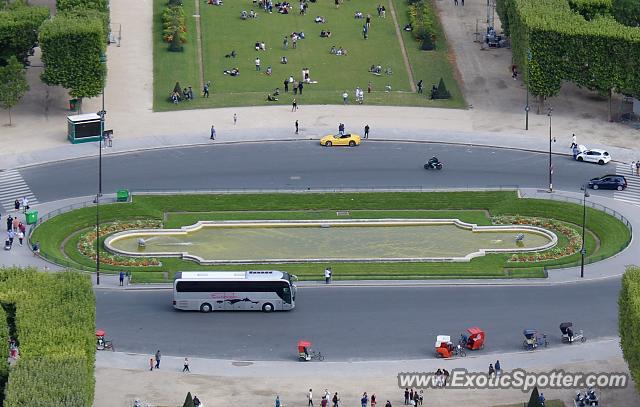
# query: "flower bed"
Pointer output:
{"type": "Point", "coordinates": [87, 244]}
{"type": "Point", "coordinates": [574, 239]}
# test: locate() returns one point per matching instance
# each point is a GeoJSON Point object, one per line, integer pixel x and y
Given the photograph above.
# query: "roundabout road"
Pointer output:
{"type": "Point", "coordinates": [306, 164]}
{"type": "Point", "coordinates": [345, 323]}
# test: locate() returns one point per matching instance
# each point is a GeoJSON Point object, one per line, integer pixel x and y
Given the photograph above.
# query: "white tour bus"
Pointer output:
{"type": "Point", "coordinates": [265, 290]}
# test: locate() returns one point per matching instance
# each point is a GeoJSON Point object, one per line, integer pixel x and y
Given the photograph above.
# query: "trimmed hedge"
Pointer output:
{"type": "Point", "coordinates": [595, 52]}
{"type": "Point", "coordinates": [19, 30]}
{"type": "Point", "coordinates": [55, 326]}
{"type": "Point", "coordinates": [68, 5]}
{"type": "Point", "coordinates": [4, 350]}
{"type": "Point", "coordinates": [629, 321]}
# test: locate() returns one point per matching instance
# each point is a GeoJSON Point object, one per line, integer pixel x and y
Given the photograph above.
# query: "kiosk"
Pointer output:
{"type": "Point", "coordinates": [83, 128]}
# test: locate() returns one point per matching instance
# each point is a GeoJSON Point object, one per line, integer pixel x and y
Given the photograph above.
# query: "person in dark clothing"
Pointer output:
{"type": "Point", "coordinates": [296, 127]}
{"type": "Point", "coordinates": [9, 223]}
{"type": "Point", "coordinates": [420, 86]}
{"type": "Point", "coordinates": [300, 87]}
{"type": "Point", "coordinates": [406, 396]}
{"type": "Point", "coordinates": [158, 359]}
{"type": "Point", "coordinates": [121, 278]}
{"type": "Point", "coordinates": [366, 131]}
{"type": "Point", "coordinates": [286, 85]}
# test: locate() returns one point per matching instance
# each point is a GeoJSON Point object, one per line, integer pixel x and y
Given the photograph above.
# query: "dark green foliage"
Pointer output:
{"type": "Point", "coordinates": [13, 84]}
{"type": "Point", "coordinates": [174, 26]}
{"type": "Point", "coordinates": [627, 12]}
{"type": "Point", "coordinates": [600, 54]}
{"type": "Point", "coordinates": [68, 5]}
{"type": "Point", "coordinates": [177, 89]}
{"type": "Point", "coordinates": [55, 322]}
{"type": "Point", "coordinates": [423, 23]}
{"type": "Point", "coordinates": [173, 3]}
{"type": "Point", "coordinates": [629, 321]}
{"type": "Point", "coordinates": [176, 45]}
{"type": "Point", "coordinates": [443, 92]}
{"type": "Point", "coordinates": [534, 400]}
{"type": "Point", "coordinates": [4, 350]}
{"type": "Point", "coordinates": [188, 401]}
{"type": "Point", "coordinates": [71, 51]}
{"type": "Point", "coordinates": [88, 14]}
{"type": "Point", "coordinates": [19, 30]}
{"type": "Point", "coordinates": [591, 9]}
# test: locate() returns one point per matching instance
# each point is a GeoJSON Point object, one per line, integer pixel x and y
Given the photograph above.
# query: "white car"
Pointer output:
{"type": "Point", "coordinates": [594, 155]}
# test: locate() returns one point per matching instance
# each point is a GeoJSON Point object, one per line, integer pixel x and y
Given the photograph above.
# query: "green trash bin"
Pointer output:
{"type": "Point", "coordinates": [32, 217]}
{"type": "Point", "coordinates": [122, 195]}
{"type": "Point", "coordinates": [73, 104]}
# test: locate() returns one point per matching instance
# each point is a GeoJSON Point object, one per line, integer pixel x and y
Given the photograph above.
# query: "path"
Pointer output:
{"type": "Point", "coordinates": [403, 48]}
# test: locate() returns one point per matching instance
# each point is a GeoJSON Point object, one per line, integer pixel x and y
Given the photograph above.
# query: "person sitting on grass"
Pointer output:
{"type": "Point", "coordinates": [325, 34]}
{"type": "Point", "coordinates": [341, 51]}
{"type": "Point", "coordinates": [243, 15]}
{"type": "Point", "coordinates": [358, 14]}
{"type": "Point", "coordinates": [232, 54]}
{"type": "Point", "coordinates": [298, 35]}
{"type": "Point", "coordinates": [175, 97]}
{"type": "Point", "coordinates": [269, 71]}
{"type": "Point", "coordinates": [271, 98]}
{"type": "Point", "coordinates": [284, 60]}
{"type": "Point", "coordinates": [319, 20]}
{"type": "Point", "coordinates": [276, 92]}
{"type": "Point", "coordinates": [252, 14]}
{"type": "Point", "coordinates": [376, 69]}
{"type": "Point", "coordinates": [333, 49]}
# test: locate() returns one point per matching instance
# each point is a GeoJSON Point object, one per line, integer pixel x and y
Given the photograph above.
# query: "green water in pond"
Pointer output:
{"type": "Point", "coordinates": [335, 242]}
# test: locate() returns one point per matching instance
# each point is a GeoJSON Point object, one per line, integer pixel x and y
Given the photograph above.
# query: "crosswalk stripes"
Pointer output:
{"type": "Point", "coordinates": [13, 186]}
{"type": "Point", "coordinates": [632, 193]}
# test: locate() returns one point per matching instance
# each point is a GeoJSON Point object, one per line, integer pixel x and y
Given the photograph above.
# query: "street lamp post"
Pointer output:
{"type": "Point", "coordinates": [101, 113]}
{"type": "Point", "coordinates": [551, 140]}
{"type": "Point", "coordinates": [527, 107]}
{"type": "Point", "coordinates": [583, 249]}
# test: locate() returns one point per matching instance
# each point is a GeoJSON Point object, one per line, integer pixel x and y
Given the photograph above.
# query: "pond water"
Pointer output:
{"type": "Point", "coordinates": [212, 242]}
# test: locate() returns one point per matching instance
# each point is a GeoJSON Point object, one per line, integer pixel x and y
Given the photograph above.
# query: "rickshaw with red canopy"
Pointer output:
{"type": "Point", "coordinates": [101, 343]}
{"type": "Point", "coordinates": [475, 340]}
{"type": "Point", "coordinates": [446, 349]}
{"type": "Point", "coordinates": [305, 353]}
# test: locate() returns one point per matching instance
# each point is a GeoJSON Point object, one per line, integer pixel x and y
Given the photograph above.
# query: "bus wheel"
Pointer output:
{"type": "Point", "coordinates": [267, 307]}
{"type": "Point", "coordinates": [206, 307]}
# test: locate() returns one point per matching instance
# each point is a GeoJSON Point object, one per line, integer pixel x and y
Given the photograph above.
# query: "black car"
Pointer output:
{"type": "Point", "coordinates": [609, 182]}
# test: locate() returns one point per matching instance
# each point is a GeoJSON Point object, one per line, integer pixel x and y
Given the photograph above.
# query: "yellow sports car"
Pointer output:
{"type": "Point", "coordinates": [350, 140]}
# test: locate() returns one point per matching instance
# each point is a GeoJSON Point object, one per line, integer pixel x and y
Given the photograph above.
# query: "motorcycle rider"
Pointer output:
{"type": "Point", "coordinates": [433, 161]}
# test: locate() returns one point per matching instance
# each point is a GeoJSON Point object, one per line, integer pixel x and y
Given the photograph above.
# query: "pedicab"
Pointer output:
{"type": "Point", "coordinates": [101, 343]}
{"type": "Point", "coordinates": [305, 353]}
{"type": "Point", "coordinates": [475, 339]}
{"type": "Point", "coordinates": [567, 333]}
{"type": "Point", "coordinates": [532, 340]}
{"type": "Point", "coordinates": [446, 349]}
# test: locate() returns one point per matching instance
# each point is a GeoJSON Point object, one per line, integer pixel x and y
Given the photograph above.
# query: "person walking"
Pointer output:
{"type": "Point", "coordinates": [257, 62]}
{"type": "Point", "coordinates": [151, 364]}
{"type": "Point", "coordinates": [300, 87]}
{"type": "Point", "coordinates": [573, 141]}
{"type": "Point", "coordinates": [369, 87]}
{"type": "Point", "coordinates": [341, 129]}
{"type": "Point", "coordinates": [278, 403]}
{"type": "Point", "coordinates": [445, 377]}
{"type": "Point", "coordinates": [20, 236]}
{"type": "Point", "coordinates": [310, 398]}
{"type": "Point", "coordinates": [16, 204]}
{"type": "Point", "coordinates": [158, 359]}
{"type": "Point", "coordinates": [638, 168]}
{"type": "Point", "coordinates": [296, 127]}
{"type": "Point", "coordinates": [10, 223]}
{"type": "Point", "coordinates": [633, 167]}
{"type": "Point", "coordinates": [388, 404]}
{"type": "Point", "coordinates": [121, 278]}
{"type": "Point", "coordinates": [25, 204]}
{"type": "Point", "coordinates": [455, 2]}
{"type": "Point", "coordinates": [498, 368]}
{"type": "Point", "coordinates": [366, 131]}
{"type": "Point", "coordinates": [294, 41]}
{"type": "Point", "coordinates": [327, 275]}
{"type": "Point", "coordinates": [420, 86]}
{"type": "Point", "coordinates": [205, 89]}
{"type": "Point", "coordinates": [213, 133]}
{"type": "Point", "coordinates": [335, 399]}
{"type": "Point", "coordinates": [185, 368]}
{"type": "Point", "coordinates": [364, 400]}
{"type": "Point", "coordinates": [416, 398]}
{"type": "Point", "coordinates": [286, 85]}
{"type": "Point", "coordinates": [406, 396]}
{"type": "Point", "coordinates": [294, 105]}
{"type": "Point", "coordinates": [345, 96]}
{"type": "Point", "coordinates": [285, 42]}
{"type": "Point", "coordinates": [235, 119]}
{"type": "Point", "coordinates": [373, 400]}
{"type": "Point", "coordinates": [492, 370]}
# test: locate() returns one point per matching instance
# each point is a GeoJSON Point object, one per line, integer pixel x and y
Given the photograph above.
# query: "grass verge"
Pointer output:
{"type": "Point", "coordinates": [606, 237]}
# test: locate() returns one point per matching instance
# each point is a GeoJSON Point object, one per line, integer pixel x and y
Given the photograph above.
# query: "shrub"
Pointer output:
{"type": "Point", "coordinates": [173, 24]}
{"type": "Point", "coordinates": [423, 23]}
{"type": "Point", "coordinates": [629, 321]}
{"type": "Point", "coordinates": [19, 30]}
{"type": "Point", "coordinates": [54, 324]}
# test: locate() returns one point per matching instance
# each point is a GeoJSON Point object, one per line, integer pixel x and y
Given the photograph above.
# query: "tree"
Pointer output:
{"type": "Point", "coordinates": [175, 45]}
{"type": "Point", "coordinates": [627, 12]}
{"type": "Point", "coordinates": [188, 401]}
{"type": "Point", "coordinates": [19, 25]}
{"type": "Point", "coordinates": [629, 321]}
{"type": "Point", "coordinates": [534, 400]}
{"type": "Point", "coordinates": [72, 51]}
{"type": "Point", "coordinates": [13, 84]}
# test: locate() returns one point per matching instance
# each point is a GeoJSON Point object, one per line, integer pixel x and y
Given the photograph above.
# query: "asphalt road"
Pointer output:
{"type": "Point", "coordinates": [305, 164]}
{"type": "Point", "coordinates": [359, 323]}
{"type": "Point", "coordinates": [345, 323]}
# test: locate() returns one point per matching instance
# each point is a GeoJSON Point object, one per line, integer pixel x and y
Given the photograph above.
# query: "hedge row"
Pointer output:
{"type": "Point", "coordinates": [629, 321]}
{"type": "Point", "coordinates": [55, 323]}
{"type": "Point", "coordinates": [4, 351]}
{"type": "Point", "coordinates": [599, 54]}
{"type": "Point", "coordinates": [19, 25]}
{"type": "Point", "coordinates": [68, 5]}
{"type": "Point", "coordinates": [423, 23]}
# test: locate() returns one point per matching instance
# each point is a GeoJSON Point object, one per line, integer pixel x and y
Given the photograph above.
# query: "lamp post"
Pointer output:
{"type": "Point", "coordinates": [101, 113]}
{"type": "Point", "coordinates": [527, 108]}
{"type": "Point", "coordinates": [583, 249]}
{"type": "Point", "coordinates": [550, 160]}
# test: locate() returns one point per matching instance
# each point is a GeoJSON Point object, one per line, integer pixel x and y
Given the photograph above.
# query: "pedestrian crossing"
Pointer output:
{"type": "Point", "coordinates": [632, 193]}
{"type": "Point", "coordinates": [13, 186]}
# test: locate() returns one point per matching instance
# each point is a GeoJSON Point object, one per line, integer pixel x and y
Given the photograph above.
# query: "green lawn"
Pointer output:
{"type": "Point", "coordinates": [224, 31]}
{"type": "Point", "coordinates": [606, 235]}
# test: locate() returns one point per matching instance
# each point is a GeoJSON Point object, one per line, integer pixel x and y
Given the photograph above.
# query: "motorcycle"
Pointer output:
{"type": "Point", "coordinates": [433, 165]}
